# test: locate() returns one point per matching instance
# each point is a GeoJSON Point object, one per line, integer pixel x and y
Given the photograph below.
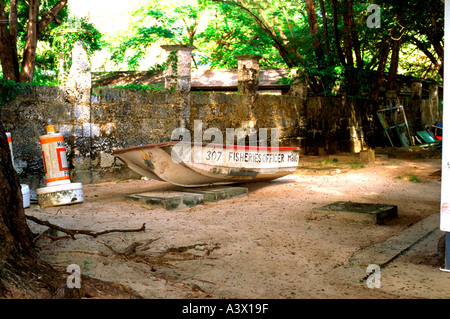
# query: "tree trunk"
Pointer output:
{"type": "Point", "coordinates": [354, 34]}
{"type": "Point", "coordinates": [13, 29]}
{"type": "Point", "coordinates": [8, 39]}
{"type": "Point", "coordinates": [393, 67]}
{"type": "Point", "coordinates": [326, 37]}
{"type": "Point", "coordinates": [337, 40]}
{"type": "Point", "coordinates": [16, 249]}
{"type": "Point", "coordinates": [13, 20]}
{"type": "Point", "coordinates": [384, 53]}
{"type": "Point", "coordinates": [350, 74]}
{"type": "Point", "coordinates": [22, 274]}
{"type": "Point", "coordinates": [29, 53]}
{"type": "Point", "coordinates": [435, 35]}
{"type": "Point", "coordinates": [314, 32]}
{"type": "Point", "coordinates": [8, 49]}
{"type": "Point", "coordinates": [439, 49]}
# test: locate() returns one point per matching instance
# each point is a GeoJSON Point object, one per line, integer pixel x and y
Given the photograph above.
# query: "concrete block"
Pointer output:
{"type": "Point", "coordinates": [367, 156]}
{"type": "Point", "coordinates": [65, 130]}
{"type": "Point", "coordinates": [91, 130]}
{"type": "Point", "coordinates": [216, 193]}
{"type": "Point", "coordinates": [106, 159]}
{"type": "Point", "coordinates": [321, 151]}
{"type": "Point", "coordinates": [77, 131]}
{"type": "Point", "coordinates": [360, 212]}
{"type": "Point", "coordinates": [82, 113]}
{"type": "Point", "coordinates": [169, 200]}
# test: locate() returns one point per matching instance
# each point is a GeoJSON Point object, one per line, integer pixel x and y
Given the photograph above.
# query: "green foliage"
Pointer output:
{"type": "Point", "coordinates": [154, 23]}
{"type": "Point", "coordinates": [232, 32]}
{"type": "Point", "coordinates": [327, 162]}
{"type": "Point", "coordinates": [10, 90]}
{"type": "Point", "coordinates": [23, 16]}
{"type": "Point", "coordinates": [285, 81]}
{"type": "Point", "coordinates": [356, 165]}
{"type": "Point", "coordinates": [228, 32]}
{"type": "Point", "coordinates": [410, 177]}
{"type": "Point", "coordinates": [45, 77]}
{"type": "Point", "coordinates": [416, 64]}
{"type": "Point", "coordinates": [45, 56]}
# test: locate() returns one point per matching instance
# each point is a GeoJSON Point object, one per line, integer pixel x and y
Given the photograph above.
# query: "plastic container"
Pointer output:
{"type": "Point", "coordinates": [25, 195]}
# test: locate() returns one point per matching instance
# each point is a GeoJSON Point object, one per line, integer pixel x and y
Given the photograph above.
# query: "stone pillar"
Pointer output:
{"type": "Point", "coordinates": [434, 95]}
{"type": "Point", "coordinates": [298, 84]}
{"type": "Point", "coordinates": [248, 73]}
{"type": "Point", "coordinates": [434, 103]}
{"type": "Point", "coordinates": [79, 78]}
{"type": "Point", "coordinates": [416, 90]}
{"type": "Point", "coordinates": [79, 94]}
{"type": "Point", "coordinates": [177, 73]}
{"type": "Point", "coordinates": [177, 77]}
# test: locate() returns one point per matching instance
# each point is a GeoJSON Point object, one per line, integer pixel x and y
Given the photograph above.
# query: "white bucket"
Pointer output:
{"type": "Point", "coordinates": [60, 195]}
{"type": "Point", "coordinates": [25, 195]}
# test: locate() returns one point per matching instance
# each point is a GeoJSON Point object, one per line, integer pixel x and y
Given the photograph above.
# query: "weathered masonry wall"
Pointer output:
{"type": "Point", "coordinates": [111, 119]}
{"type": "Point", "coordinates": [114, 119]}
{"type": "Point", "coordinates": [223, 111]}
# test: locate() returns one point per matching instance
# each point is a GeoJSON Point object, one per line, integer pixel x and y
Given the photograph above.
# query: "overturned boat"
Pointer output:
{"type": "Point", "coordinates": [195, 165]}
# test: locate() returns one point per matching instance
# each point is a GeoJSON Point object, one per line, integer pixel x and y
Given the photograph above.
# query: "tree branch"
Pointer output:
{"type": "Point", "coordinates": [422, 48]}
{"type": "Point", "coordinates": [287, 21]}
{"type": "Point", "coordinates": [73, 232]}
{"type": "Point", "coordinates": [50, 16]}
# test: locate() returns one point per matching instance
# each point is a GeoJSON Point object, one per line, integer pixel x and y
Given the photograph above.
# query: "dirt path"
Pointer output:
{"type": "Point", "coordinates": [269, 244]}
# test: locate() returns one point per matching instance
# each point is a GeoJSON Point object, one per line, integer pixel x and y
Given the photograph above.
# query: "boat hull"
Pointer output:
{"type": "Point", "coordinates": [193, 165]}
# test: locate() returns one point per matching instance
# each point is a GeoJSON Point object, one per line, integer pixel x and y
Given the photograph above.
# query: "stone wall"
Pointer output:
{"type": "Point", "coordinates": [119, 118]}
{"type": "Point", "coordinates": [26, 118]}
{"type": "Point", "coordinates": [111, 119]}
{"type": "Point", "coordinates": [223, 111]}
{"type": "Point", "coordinates": [336, 125]}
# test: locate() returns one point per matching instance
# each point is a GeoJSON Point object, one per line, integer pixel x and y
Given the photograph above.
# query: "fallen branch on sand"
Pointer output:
{"type": "Point", "coordinates": [73, 232]}
{"type": "Point", "coordinates": [136, 252]}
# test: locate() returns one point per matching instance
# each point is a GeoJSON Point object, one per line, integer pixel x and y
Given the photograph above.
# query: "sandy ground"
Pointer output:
{"type": "Point", "coordinates": [269, 244]}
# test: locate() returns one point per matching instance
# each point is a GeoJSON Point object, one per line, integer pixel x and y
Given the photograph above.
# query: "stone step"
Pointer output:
{"type": "Point", "coordinates": [359, 212]}
{"type": "Point", "coordinates": [169, 200]}
{"type": "Point", "coordinates": [217, 193]}
{"type": "Point", "coordinates": [186, 197]}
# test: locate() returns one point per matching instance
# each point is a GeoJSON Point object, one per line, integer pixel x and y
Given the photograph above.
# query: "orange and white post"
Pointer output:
{"type": "Point", "coordinates": [55, 158]}
{"type": "Point", "coordinates": [59, 190]}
